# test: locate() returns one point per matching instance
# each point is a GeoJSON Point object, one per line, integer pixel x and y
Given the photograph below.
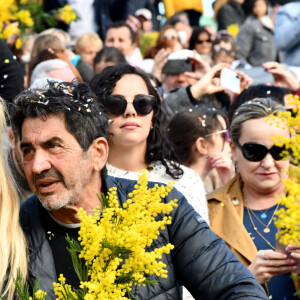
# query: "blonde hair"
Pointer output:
{"type": "Point", "coordinates": [46, 41]}
{"type": "Point", "coordinates": [12, 240]}
{"type": "Point", "coordinates": [85, 39]}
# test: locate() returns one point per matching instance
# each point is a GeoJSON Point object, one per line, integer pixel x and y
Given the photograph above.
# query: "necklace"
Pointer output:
{"type": "Point", "coordinates": [256, 230]}
{"type": "Point", "coordinates": [266, 229]}
{"type": "Point", "coordinates": [264, 213]}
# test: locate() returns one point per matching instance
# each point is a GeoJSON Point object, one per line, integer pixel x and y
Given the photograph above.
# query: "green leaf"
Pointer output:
{"type": "Point", "coordinates": [21, 287]}
{"type": "Point", "coordinates": [103, 200]}
{"type": "Point", "coordinates": [131, 296]}
{"type": "Point", "coordinates": [150, 281]}
{"type": "Point", "coordinates": [116, 250]}
{"type": "Point", "coordinates": [50, 20]}
{"type": "Point", "coordinates": [36, 286]}
{"type": "Point", "coordinates": [79, 293]}
{"type": "Point", "coordinates": [125, 278]}
{"type": "Point", "coordinates": [298, 278]}
{"type": "Point", "coordinates": [78, 264]}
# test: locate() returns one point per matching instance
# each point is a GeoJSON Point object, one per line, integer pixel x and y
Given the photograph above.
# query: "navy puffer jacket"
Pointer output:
{"type": "Point", "coordinates": [200, 260]}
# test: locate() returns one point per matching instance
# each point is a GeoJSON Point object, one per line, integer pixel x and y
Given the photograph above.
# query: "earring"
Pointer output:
{"type": "Point", "coordinates": [151, 127]}
{"type": "Point", "coordinates": [236, 167]}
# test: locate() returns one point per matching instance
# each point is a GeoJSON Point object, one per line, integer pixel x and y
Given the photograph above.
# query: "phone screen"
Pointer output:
{"type": "Point", "coordinates": [230, 80]}
{"type": "Point", "coordinates": [281, 248]}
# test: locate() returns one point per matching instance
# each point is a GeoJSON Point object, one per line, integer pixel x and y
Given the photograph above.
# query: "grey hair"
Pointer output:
{"type": "Point", "coordinates": [253, 109]}
{"type": "Point", "coordinates": [42, 83]}
{"type": "Point", "coordinates": [41, 70]}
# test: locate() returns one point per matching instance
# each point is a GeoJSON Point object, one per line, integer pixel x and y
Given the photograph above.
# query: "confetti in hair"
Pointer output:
{"type": "Point", "coordinates": [202, 121]}
{"type": "Point", "coordinates": [69, 94]}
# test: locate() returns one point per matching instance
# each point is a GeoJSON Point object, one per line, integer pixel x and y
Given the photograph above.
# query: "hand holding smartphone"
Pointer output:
{"type": "Point", "coordinates": [230, 80]}
{"type": "Point", "coordinates": [279, 247]}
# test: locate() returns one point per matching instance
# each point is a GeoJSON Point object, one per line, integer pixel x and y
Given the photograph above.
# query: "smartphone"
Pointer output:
{"type": "Point", "coordinates": [279, 247]}
{"type": "Point", "coordinates": [259, 75]}
{"type": "Point", "coordinates": [230, 80]}
{"type": "Point", "coordinates": [193, 64]}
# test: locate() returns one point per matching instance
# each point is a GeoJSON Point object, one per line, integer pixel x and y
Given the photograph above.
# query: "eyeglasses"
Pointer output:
{"type": "Point", "coordinates": [257, 152]}
{"type": "Point", "coordinates": [203, 41]}
{"type": "Point", "coordinates": [143, 104]}
{"type": "Point", "coordinates": [225, 133]}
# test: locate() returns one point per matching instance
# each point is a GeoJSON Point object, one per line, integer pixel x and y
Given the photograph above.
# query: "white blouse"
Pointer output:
{"type": "Point", "coordinates": [190, 184]}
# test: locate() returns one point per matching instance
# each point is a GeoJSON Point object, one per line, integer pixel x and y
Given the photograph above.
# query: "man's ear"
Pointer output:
{"type": "Point", "coordinates": [99, 152]}
{"type": "Point", "coordinates": [201, 146]}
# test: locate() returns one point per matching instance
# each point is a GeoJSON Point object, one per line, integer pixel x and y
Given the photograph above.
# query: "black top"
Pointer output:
{"type": "Point", "coordinates": [11, 74]}
{"type": "Point", "coordinates": [56, 236]}
{"type": "Point", "coordinates": [230, 13]}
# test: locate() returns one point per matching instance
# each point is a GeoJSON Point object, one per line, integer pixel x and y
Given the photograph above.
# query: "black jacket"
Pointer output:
{"type": "Point", "coordinates": [11, 75]}
{"type": "Point", "coordinates": [230, 13]}
{"type": "Point", "coordinates": [106, 12]}
{"type": "Point", "coordinates": [200, 260]}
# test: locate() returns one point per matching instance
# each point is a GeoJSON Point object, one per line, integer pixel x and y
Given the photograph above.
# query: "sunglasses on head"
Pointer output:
{"type": "Point", "coordinates": [218, 48]}
{"type": "Point", "coordinates": [224, 132]}
{"type": "Point", "coordinates": [257, 152]}
{"type": "Point", "coordinates": [116, 104]}
{"type": "Point", "coordinates": [223, 33]}
{"type": "Point", "coordinates": [203, 41]}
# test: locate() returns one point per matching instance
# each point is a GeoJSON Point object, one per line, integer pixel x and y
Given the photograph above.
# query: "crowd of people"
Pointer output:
{"type": "Point", "coordinates": [84, 108]}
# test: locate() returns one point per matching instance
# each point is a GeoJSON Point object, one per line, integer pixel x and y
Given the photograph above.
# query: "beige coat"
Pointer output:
{"type": "Point", "coordinates": [226, 211]}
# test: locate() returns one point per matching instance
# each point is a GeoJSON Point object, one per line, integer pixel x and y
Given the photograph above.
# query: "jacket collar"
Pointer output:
{"type": "Point", "coordinates": [226, 209]}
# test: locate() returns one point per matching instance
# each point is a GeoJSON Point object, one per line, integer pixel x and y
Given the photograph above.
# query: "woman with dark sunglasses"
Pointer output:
{"type": "Point", "coordinates": [135, 133]}
{"type": "Point", "coordinates": [200, 141]}
{"type": "Point", "coordinates": [242, 212]}
{"type": "Point", "coordinates": [201, 42]}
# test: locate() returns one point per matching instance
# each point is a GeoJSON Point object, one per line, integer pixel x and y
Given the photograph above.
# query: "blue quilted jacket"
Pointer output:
{"type": "Point", "coordinates": [200, 260]}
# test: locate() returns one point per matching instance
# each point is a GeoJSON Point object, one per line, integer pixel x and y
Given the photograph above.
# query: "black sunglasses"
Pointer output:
{"type": "Point", "coordinates": [257, 152]}
{"type": "Point", "coordinates": [203, 41]}
{"type": "Point", "coordinates": [116, 104]}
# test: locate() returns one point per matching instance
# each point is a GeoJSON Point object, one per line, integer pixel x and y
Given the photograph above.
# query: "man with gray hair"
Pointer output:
{"type": "Point", "coordinates": [52, 69]}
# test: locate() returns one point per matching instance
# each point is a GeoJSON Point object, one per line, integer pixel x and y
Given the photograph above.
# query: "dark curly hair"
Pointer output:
{"type": "Point", "coordinates": [76, 102]}
{"type": "Point", "coordinates": [103, 84]}
{"type": "Point", "coordinates": [84, 118]}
